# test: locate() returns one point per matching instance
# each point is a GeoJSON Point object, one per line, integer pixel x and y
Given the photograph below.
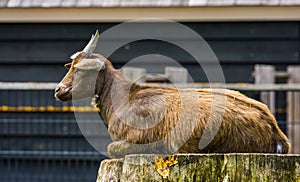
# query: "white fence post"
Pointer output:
{"type": "Point", "coordinates": [293, 110]}
{"type": "Point", "coordinates": [265, 74]}
{"type": "Point", "coordinates": [176, 74]}
{"type": "Point", "coordinates": [134, 74]}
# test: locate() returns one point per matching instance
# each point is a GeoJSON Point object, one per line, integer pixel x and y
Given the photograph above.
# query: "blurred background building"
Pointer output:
{"type": "Point", "coordinates": [39, 137]}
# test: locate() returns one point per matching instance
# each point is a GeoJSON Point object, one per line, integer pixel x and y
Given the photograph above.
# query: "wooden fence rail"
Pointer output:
{"type": "Point", "coordinates": [233, 86]}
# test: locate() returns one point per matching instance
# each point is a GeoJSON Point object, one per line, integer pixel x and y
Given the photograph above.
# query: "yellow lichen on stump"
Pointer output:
{"type": "Point", "coordinates": [162, 165]}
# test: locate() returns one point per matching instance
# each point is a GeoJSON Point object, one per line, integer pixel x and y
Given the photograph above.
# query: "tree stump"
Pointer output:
{"type": "Point", "coordinates": [201, 167]}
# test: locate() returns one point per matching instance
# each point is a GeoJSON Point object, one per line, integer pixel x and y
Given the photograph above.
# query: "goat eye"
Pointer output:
{"type": "Point", "coordinates": [68, 65]}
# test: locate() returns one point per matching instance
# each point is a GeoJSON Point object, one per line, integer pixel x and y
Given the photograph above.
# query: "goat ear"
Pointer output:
{"type": "Point", "coordinates": [90, 64]}
{"type": "Point", "coordinates": [68, 65]}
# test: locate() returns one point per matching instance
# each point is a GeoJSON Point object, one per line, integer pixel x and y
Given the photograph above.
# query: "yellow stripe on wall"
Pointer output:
{"type": "Point", "coordinates": [5, 108]}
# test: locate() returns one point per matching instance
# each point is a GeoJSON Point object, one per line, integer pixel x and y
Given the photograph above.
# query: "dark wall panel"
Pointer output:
{"type": "Point", "coordinates": [215, 30]}
{"type": "Point", "coordinates": [247, 30]}
{"type": "Point", "coordinates": [238, 42]}
{"type": "Point", "coordinates": [32, 72]}
{"type": "Point", "coordinates": [39, 51]}
{"type": "Point", "coordinates": [227, 51]}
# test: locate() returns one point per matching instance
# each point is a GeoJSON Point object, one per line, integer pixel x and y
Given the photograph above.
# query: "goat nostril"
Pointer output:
{"type": "Point", "coordinates": [57, 89]}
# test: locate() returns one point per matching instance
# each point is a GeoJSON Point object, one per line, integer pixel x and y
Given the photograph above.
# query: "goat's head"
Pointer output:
{"type": "Point", "coordinates": [80, 80]}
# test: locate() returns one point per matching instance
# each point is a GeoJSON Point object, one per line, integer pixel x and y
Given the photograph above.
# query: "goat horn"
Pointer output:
{"type": "Point", "coordinates": [91, 46]}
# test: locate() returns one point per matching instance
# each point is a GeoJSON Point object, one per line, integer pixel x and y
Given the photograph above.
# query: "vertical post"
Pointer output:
{"type": "Point", "coordinates": [293, 113]}
{"type": "Point", "coordinates": [176, 74]}
{"type": "Point", "coordinates": [134, 74]}
{"type": "Point", "coordinates": [265, 74]}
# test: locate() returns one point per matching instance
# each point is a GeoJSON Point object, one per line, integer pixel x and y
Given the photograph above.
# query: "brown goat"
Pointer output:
{"type": "Point", "coordinates": [173, 120]}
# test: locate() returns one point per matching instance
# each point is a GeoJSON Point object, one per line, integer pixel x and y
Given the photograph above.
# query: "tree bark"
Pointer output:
{"type": "Point", "coordinates": [201, 167]}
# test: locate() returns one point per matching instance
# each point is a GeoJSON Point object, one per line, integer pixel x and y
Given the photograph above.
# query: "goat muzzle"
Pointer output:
{"type": "Point", "coordinates": [62, 92]}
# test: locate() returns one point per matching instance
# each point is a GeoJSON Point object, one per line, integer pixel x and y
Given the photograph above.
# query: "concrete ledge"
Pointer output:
{"type": "Point", "coordinates": [181, 14]}
{"type": "Point", "coordinates": [201, 167]}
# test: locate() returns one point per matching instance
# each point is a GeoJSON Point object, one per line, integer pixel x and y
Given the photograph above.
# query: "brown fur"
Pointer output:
{"type": "Point", "coordinates": [246, 125]}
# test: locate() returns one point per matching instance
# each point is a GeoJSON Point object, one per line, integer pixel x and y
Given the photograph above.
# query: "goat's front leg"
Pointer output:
{"type": "Point", "coordinates": [119, 149]}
